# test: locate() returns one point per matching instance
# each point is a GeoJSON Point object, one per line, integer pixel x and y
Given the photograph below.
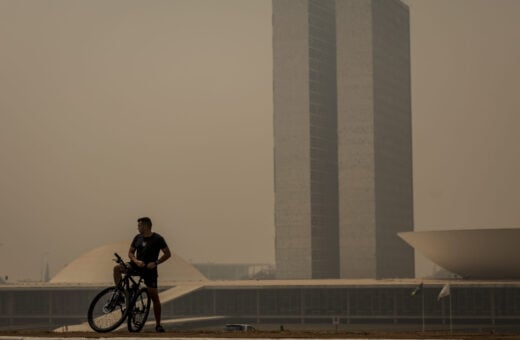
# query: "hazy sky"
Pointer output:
{"type": "Point", "coordinates": [111, 110]}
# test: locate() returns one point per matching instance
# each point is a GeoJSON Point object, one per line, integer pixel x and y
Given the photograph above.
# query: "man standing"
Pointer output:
{"type": "Point", "coordinates": [144, 259]}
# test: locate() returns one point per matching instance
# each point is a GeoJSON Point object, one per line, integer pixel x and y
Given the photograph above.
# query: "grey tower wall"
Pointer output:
{"type": "Point", "coordinates": [342, 138]}
{"type": "Point", "coordinates": [374, 138]}
{"type": "Point", "coordinates": [305, 139]}
{"type": "Point", "coordinates": [291, 139]}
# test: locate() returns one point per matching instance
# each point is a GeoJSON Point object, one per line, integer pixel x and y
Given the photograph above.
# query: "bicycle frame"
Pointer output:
{"type": "Point", "coordinates": [128, 283]}
{"type": "Point", "coordinates": [128, 299]}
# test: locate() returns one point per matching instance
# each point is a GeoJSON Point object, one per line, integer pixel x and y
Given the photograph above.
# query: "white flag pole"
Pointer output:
{"type": "Point", "coordinates": [422, 293]}
{"type": "Point", "coordinates": [451, 317]}
{"type": "Point", "coordinates": [445, 291]}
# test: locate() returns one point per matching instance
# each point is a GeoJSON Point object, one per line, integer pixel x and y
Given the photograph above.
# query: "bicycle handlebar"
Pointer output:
{"type": "Point", "coordinates": [119, 259]}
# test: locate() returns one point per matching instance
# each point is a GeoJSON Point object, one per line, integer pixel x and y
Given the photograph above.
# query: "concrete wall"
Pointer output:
{"type": "Point", "coordinates": [374, 138]}
{"type": "Point", "coordinates": [342, 135]}
{"type": "Point", "coordinates": [385, 306]}
{"type": "Point", "coordinates": [305, 139]}
{"type": "Point", "coordinates": [323, 146]}
{"type": "Point", "coordinates": [357, 223]}
{"type": "Point", "coordinates": [392, 137]}
{"type": "Point", "coordinates": [292, 177]}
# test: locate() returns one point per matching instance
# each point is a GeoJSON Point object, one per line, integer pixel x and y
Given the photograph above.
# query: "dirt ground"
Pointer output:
{"type": "Point", "coordinates": [276, 335]}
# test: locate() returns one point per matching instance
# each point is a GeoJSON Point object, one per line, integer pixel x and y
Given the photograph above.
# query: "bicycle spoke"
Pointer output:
{"type": "Point", "coordinates": [139, 313]}
{"type": "Point", "coordinates": [108, 310]}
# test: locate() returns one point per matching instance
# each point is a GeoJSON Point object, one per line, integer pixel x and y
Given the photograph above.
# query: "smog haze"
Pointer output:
{"type": "Point", "coordinates": [113, 110]}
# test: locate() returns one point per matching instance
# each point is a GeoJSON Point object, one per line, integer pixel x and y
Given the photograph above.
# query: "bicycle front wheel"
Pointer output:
{"type": "Point", "coordinates": [139, 312]}
{"type": "Point", "coordinates": [108, 310]}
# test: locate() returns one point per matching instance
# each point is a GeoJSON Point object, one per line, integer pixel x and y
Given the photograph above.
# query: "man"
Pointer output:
{"type": "Point", "coordinates": [144, 259]}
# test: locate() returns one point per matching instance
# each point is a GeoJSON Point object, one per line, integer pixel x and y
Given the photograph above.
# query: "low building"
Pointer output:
{"type": "Point", "coordinates": [190, 300]}
{"type": "Point", "coordinates": [383, 304]}
{"type": "Point", "coordinates": [235, 271]}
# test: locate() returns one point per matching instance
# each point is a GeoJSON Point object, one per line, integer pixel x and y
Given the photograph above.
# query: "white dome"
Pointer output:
{"type": "Point", "coordinates": [96, 266]}
{"type": "Point", "coordinates": [472, 253]}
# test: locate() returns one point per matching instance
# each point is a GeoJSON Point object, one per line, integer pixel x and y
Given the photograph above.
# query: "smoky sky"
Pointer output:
{"type": "Point", "coordinates": [112, 110]}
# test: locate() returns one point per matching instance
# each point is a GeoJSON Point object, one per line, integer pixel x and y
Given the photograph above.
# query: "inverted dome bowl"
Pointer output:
{"type": "Point", "coordinates": [472, 253]}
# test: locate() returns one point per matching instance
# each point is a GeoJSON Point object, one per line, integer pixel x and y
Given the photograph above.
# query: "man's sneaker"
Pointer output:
{"type": "Point", "coordinates": [159, 329]}
{"type": "Point", "coordinates": [120, 298]}
{"type": "Point", "coordinates": [108, 307]}
{"type": "Point", "coordinates": [117, 299]}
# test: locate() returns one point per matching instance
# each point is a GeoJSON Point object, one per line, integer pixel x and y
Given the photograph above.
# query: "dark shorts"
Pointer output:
{"type": "Point", "coordinates": [149, 275]}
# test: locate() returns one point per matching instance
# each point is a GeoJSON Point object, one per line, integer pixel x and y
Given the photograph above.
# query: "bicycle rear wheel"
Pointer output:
{"type": "Point", "coordinates": [108, 310]}
{"type": "Point", "coordinates": [139, 313]}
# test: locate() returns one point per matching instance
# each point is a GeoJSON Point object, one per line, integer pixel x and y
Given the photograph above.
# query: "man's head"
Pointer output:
{"type": "Point", "coordinates": [144, 224]}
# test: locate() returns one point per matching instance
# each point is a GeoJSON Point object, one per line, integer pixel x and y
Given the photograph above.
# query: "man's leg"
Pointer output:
{"type": "Point", "coordinates": [154, 294]}
{"type": "Point", "coordinates": [118, 273]}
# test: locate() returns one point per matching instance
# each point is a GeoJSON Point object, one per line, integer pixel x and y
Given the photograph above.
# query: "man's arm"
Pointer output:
{"type": "Point", "coordinates": [131, 256]}
{"type": "Point", "coordinates": [165, 256]}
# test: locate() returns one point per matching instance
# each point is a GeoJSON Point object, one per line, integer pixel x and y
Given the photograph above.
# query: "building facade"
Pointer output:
{"type": "Point", "coordinates": [305, 305]}
{"type": "Point", "coordinates": [305, 125]}
{"type": "Point", "coordinates": [342, 138]}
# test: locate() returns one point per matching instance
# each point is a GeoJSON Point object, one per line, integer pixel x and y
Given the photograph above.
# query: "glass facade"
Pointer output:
{"type": "Point", "coordinates": [388, 306]}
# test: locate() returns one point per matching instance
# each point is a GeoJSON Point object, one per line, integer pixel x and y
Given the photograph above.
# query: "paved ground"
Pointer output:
{"type": "Point", "coordinates": [4, 335]}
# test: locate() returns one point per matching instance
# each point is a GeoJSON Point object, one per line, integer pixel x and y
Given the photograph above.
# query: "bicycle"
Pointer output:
{"type": "Point", "coordinates": [127, 300]}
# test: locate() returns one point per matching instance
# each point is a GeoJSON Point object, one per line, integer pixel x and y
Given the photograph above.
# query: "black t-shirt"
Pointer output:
{"type": "Point", "coordinates": [148, 248]}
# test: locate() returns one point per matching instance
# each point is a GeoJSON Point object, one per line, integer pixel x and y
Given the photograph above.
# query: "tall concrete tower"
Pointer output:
{"type": "Point", "coordinates": [305, 133]}
{"type": "Point", "coordinates": [342, 138]}
{"type": "Point", "coordinates": [374, 138]}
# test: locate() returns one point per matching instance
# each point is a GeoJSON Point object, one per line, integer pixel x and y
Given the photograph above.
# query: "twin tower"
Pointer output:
{"type": "Point", "coordinates": [342, 138]}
